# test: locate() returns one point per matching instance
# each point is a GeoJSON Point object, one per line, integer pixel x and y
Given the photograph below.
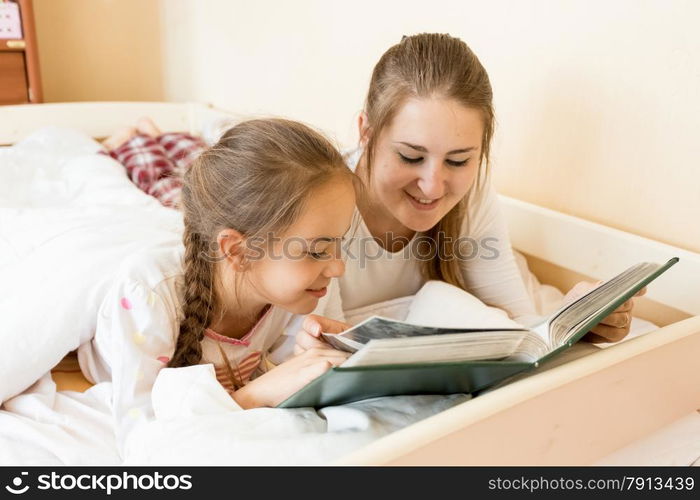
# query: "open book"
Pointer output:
{"type": "Point", "coordinates": [396, 357]}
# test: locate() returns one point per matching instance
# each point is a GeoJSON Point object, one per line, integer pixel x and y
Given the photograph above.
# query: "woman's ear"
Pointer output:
{"type": "Point", "coordinates": [232, 246]}
{"type": "Point", "coordinates": [363, 128]}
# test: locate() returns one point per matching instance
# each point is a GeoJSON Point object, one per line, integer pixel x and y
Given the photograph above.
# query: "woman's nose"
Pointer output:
{"type": "Point", "coordinates": [432, 182]}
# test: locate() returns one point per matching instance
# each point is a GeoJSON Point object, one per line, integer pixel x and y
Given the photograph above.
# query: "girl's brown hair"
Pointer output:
{"type": "Point", "coordinates": [424, 66]}
{"type": "Point", "coordinates": [255, 180]}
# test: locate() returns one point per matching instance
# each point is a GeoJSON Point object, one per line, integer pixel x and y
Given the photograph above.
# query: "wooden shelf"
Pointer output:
{"type": "Point", "coordinates": [20, 80]}
{"type": "Point", "coordinates": [13, 45]}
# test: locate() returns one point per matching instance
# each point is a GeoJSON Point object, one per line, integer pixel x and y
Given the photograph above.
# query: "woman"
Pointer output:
{"type": "Point", "coordinates": [428, 210]}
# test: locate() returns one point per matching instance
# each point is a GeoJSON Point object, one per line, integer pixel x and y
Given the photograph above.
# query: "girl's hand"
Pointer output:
{"type": "Point", "coordinates": [310, 334]}
{"type": "Point", "coordinates": [273, 387]}
{"type": "Point", "coordinates": [616, 325]}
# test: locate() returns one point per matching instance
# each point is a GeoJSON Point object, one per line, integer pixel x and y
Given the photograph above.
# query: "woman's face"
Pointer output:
{"type": "Point", "coordinates": [425, 161]}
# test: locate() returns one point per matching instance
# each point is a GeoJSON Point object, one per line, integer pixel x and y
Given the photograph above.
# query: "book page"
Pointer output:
{"type": "Point", "coordinates": [438, 308]}
{"type": "Point", "coordinates": [377, 327]}
{"type": "Point", "coordinates": [451, 347]}
{"type": "Point", "coordinates": [385, 341]}
{"type": "Point", "coordinates": [571, 319]}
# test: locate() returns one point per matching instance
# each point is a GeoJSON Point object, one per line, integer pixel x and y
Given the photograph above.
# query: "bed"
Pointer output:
{"type": "Point", "coordinates": [558, 414]}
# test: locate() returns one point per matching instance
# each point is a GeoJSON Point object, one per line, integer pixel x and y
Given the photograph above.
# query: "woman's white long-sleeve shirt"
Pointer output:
{"type": "Point", "coordinates": [373, 274]}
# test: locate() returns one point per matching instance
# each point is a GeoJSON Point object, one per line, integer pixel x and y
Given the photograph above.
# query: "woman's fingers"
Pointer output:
{"type": "Point", "coordinates": [577, 291]}
{"type": "Point", "coordinates": [608, 333]}
{"type": "Point", "coordinates": [616, 325]}
{"type": "Point", "coordinates": [625, 307]}
{"type": "Point", "coordinates": [594, 338]}
{"type": "Point", "coordinates": [618, 319]}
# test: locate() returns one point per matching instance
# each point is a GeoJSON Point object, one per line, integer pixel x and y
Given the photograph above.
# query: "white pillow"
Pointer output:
{"type": "Point", "coordinates": [443, 305]}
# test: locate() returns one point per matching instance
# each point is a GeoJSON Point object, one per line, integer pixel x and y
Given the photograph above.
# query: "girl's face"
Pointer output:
{"type": "Point", "coordinates": [301, 262]}
{"type": "Point", "coordinates": [425, 161]}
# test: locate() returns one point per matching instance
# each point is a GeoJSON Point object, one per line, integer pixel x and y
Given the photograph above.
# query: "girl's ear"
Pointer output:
{"type": "Point", "coordinates": [232, 246]}
{"type": "Point", "coordinates": [363, 128]}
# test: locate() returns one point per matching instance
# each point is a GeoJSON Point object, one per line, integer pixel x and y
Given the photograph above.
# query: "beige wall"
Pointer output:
{"type": "Point", "coordinates": [93, 50]}
{"type": "Point", "coordinates": [598, 102]}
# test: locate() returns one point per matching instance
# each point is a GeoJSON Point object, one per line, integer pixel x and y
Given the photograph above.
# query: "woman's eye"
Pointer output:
{"type": "Point", "coordinates": [408, 159]}
{"type": "Point", "coordinates": [455, 163]}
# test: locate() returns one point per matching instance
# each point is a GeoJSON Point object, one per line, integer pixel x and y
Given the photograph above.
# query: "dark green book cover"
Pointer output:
{"type": "Point", "coordinates": [344, 385]}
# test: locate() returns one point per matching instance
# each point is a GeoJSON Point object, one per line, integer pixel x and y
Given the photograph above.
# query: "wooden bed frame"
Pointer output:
{"type": "Point", "coordinates": [563, 414]}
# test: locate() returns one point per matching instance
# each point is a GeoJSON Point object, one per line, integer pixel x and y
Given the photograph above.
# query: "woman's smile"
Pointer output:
{"type": "Point", "coordinates": [423, 203]}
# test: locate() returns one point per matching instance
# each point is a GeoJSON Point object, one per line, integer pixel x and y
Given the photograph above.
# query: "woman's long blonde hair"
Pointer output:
{"type": "Point", "coordinates": [423, 66]}
{"type": "Point", "coordinates": [256, 180]}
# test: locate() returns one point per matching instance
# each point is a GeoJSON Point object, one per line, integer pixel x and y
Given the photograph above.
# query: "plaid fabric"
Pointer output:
{"type": "Point", "coordinates": [156, 165]}
{"type": "Point", "coordinates": [182, 149]}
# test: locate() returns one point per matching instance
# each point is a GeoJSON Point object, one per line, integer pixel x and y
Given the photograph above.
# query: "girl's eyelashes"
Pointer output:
{"type": "Point", "coordinates": [325, 249]}
{"type": "Point", "coordinates": [319, 255]}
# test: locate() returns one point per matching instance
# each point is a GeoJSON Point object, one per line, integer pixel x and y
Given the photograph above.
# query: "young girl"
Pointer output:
{"type": "Point", "coordinates": [430, 212]}
{"type": "Point", "coordinates": [265, 210]}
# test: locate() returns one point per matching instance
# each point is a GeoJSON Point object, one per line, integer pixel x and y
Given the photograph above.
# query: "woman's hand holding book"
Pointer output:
{"type": "Point", "coordinates": [616, 325]}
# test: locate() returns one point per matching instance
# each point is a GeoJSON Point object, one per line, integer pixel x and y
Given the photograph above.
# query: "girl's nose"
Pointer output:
{"type": "Point", "coordinates": [335, 268]}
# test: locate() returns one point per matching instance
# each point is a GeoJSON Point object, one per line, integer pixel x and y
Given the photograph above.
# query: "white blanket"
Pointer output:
{"type": "Point", "coordinates": [43, 426]}
{"type": "Point", "coordinates": [67, 217]}
{"type": "Point", "coordinates": [196, 424]}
